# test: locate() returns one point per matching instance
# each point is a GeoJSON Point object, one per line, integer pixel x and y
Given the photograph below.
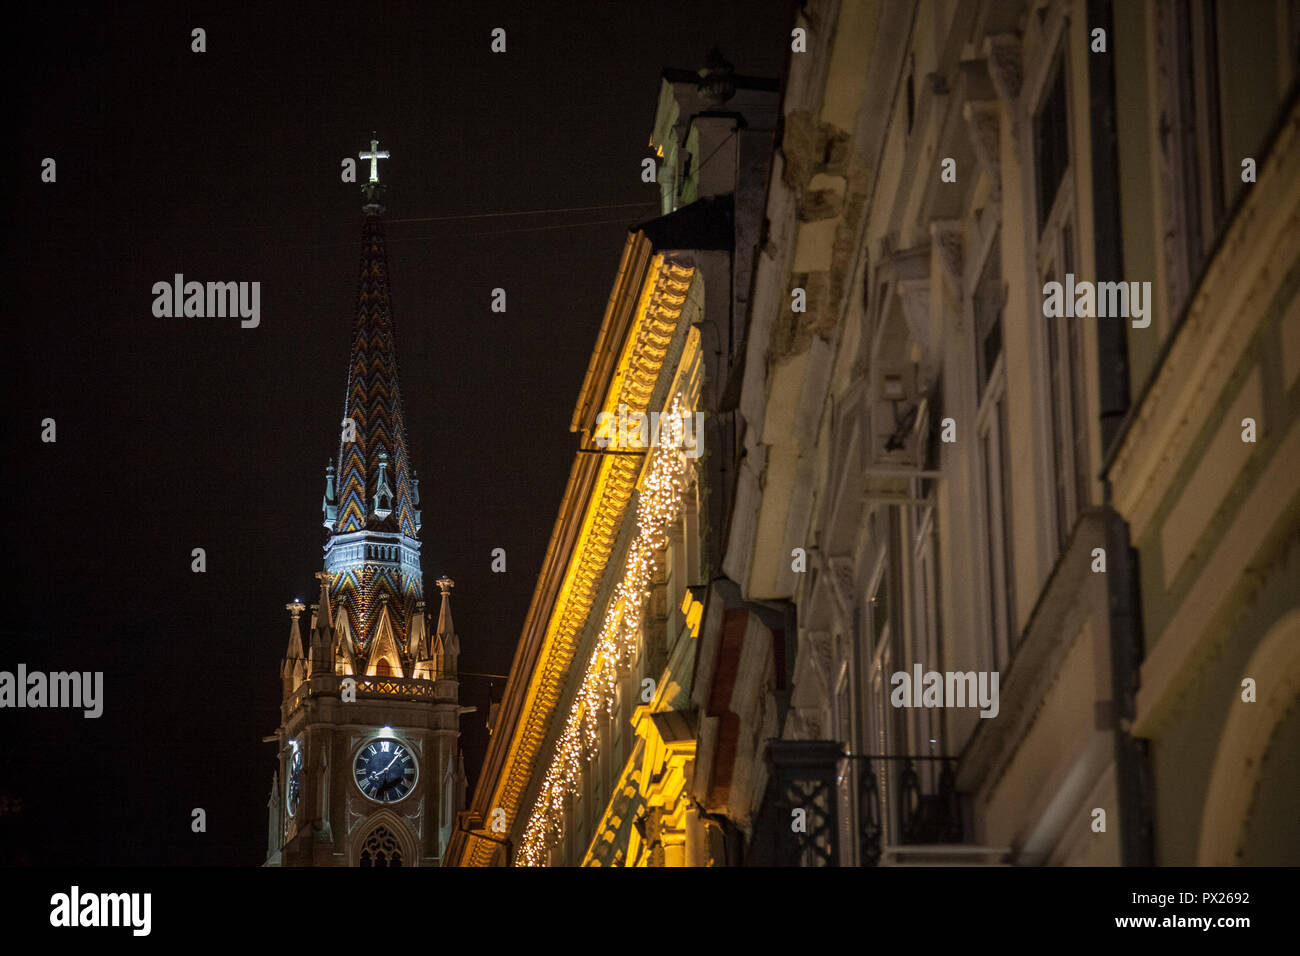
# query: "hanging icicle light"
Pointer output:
{"type": "Point", "coordinates": [658, 502]}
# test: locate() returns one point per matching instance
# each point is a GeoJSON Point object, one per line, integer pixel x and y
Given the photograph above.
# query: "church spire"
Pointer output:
{"type": "Point", "coordinates": [373, 465]}
{"type": "Point", "coordinates": [373, 678]}
{"type": "Point", "coordinates": [370, 505]}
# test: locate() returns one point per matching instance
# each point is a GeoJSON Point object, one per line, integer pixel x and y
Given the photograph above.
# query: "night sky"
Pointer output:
{"type": "Point", "coordinates": [177, 433]}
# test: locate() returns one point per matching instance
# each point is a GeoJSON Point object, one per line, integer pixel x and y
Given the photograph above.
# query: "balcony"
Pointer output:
{"type": "Point", "coordinates": [906, 801]}
{"type": "Point", "coordinates": [388, 688]}
{"type": "Point", "coordinates": [863, 810]}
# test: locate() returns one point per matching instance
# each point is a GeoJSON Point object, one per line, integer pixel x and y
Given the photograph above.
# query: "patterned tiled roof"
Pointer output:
{"type": "Point", "coordinates": [374, 404]}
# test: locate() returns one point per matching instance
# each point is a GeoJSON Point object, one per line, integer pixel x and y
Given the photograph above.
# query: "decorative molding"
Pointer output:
{"type": "Point", "coordinates": [1187, 641]}
{"type": "Point", "coordinates": [416, 818]}
{"type": "Point", "coordinates": [912, 283]}
{"type": "Point", "coordinates": [946, 237]}
{"type": "Point", "coordinates": [822, 656]}
{"type": "Point", "coordinates": [915, 296]}
{"type": "Point", "coordinates": [661, 301]}
{"type": "Point", "coordinates": [1006, 66]}
{"type": "Point", "coordinates": [839, 574]}
{"type": "Point", "coordinates": [396, 825]}
{"type": "Point", "coordinates": [354, 816]}
{"type": "Point", "coordinates": [984, 118]}
{"type": "Point", "coordinates": [1241, 756]}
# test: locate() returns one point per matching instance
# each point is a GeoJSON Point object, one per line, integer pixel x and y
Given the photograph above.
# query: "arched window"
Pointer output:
{"type": "Point", "coordinates": [380, 849]}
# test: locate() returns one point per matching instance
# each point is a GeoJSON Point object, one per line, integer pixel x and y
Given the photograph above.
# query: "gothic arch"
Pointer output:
{"type": "Point", "coordinates": [383, 649]}
{"type": "Point", "coordinates": [395, 826]}
{"type": "Point", "coordinates": [1275, 665]}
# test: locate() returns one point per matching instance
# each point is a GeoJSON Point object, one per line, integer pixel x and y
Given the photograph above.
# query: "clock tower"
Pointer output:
{"type": "Point", "coordinates": [370, 769]}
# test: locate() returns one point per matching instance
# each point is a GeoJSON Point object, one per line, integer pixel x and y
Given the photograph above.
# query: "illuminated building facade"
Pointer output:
{"type": "Point", "coordinates": [921, 463]}
{"type": "Point", "coordinates": [370, 769]}
{"type": "Point", "coordinates": [591, 755]}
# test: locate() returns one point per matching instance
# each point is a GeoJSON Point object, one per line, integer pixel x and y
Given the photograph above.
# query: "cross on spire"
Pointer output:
{"type": "Point", "coordinates": [375, 155]}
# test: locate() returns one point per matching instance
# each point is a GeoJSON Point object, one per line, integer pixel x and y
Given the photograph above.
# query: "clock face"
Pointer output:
{"type": "Point", "coordinates": [294, 786]}
{"type": "Point", "coordinates": [385, 770]}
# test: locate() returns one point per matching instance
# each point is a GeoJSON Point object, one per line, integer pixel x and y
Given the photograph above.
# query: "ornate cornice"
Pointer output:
{"type": "Point", "coordinates": [661, 300]}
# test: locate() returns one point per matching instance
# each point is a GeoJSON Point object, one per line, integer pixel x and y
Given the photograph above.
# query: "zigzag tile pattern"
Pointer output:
{"type": "Point", "coordinates": [358, 592]}
{"type": "Point", "coordinates": [374, 403]}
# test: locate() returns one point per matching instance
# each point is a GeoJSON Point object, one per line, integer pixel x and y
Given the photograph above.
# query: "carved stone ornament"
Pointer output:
{"type": "Point", "coordinates": [984, 118]}
{"type": "Point", "coordinates": [1006, 68]}
{"type": "Point", "coordinates": [946, 240]}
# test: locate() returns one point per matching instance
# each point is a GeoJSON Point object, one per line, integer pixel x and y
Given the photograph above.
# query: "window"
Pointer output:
{"type": "Point", "coordinates": [1222, 68]}
{"type": "Point", "coordinates": [1067, 398]}
{"type": "Point", "coordinates": [845, 777]}
{"type": "Point", "coordinates": [993, 436]}
{"type": "Point", "coordinates": [380, 849]}
{"type": "Point", "coordinates": [607, 720]}
{"type": "Point", "coordinates": [620, 721]}
{"type": "Point", "coordinates": [843, 711]}
{"type": "Point", "coordinates": [997, 518]}
{"type": "Point", "coordinates": [1199, 31]}
{"type": "Point", "coordinates": [582, 810]}
{"type": "Point", "coordinates": [691, 523]}
{"type": "Point", "coordinates": [911, 90]}
{"type": "Point", "coordinates": [1051, 143]}
{"type": "Point", "coordinates": [882, 735]}
{"type": "Point", "coordinates": [880, 608]}
{"type": "Point", "coordinates": [1192, 138]}
{"type": "Point", "coordinates": [988, 302]}
{"type": "Point", "coordinates": [925, 639]}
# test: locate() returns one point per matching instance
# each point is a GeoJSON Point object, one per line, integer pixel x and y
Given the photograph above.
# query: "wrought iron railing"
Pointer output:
{"type": "Point", "coordinates": [901, 800]}
{"type": "Point", "coordinates": [918, 796]}
{"type": "Point", "coordinates": [797, 824]}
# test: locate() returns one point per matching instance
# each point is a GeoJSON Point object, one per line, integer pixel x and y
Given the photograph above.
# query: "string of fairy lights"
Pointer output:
{"type": "Point", "coordinates": [657, 506]}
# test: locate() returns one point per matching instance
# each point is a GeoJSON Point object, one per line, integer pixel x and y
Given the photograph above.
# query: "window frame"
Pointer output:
{"type": "Point", "coordinates": [997, 569]}
{"type": "Point", "coordinates": [1063, 358]}
{"type": "Point", "coordinates": [997, 522]}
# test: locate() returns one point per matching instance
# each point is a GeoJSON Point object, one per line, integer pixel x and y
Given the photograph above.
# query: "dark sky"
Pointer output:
{"type": "Point", "coordinates": [181, 433]}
